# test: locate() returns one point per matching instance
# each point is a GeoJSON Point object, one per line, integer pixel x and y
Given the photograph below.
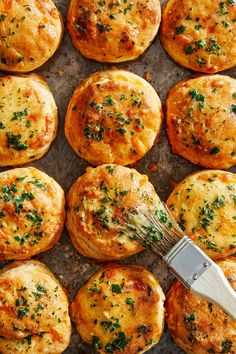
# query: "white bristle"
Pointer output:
{"type": "Point", "coordinates": [157, 233]}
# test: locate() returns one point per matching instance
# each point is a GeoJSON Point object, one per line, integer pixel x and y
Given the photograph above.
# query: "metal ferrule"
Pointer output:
{"type": "Point", "coordinates": [187, 261]}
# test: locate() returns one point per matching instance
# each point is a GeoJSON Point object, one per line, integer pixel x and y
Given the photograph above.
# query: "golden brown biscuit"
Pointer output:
{"type": "Point", "coordinates": [32, 213]}
{"type": "Point", "coordinates": [200, 35]}
{"type": "Point", "coordinates": [34, 316]}
{"type": "Point", "coordinates": [204, 205]}
{"type": "Point", "coordinates": [113, 31]}
{"type": "Point", "coordinates": [98, 203]}
{"type": "Point", "coordinates": [28, 119]}
{"type": "Point", "coordinates": [201, 120]}
{"type": "Point", "coordinates": [30, 33]}
{"type": "Point", "coordinates": [198, 326]}
{"type": "Point", "coordinates": [120, 310]}
{"type": "Point", "coordinates": [114, 116]}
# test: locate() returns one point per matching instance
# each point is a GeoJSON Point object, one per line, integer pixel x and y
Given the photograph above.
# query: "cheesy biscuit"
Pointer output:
{"type": "Point", "coordinates": [28, 119]}
{"type": "Point", "coordinates": [204, 205]}
{"type": "Point", "coordinates": [32, 212]}
{"type": "Point", "coordinates": [198, 326]}
{"type": "Point", "coordinates": [99, 203]}
{"type": "Point", "coordinates": [120, 309]}
{"type": "Point", "coordinates": [200, 35]}
{"type": "Point", "coordinates": [34, 316]}
{"type": "Point", "coordinates": [114, 116]}
{"type": "Point", "coordinates": [113, 31]}
{"type": "Point", "coordinates": [201, 120]}
{"type": "Point", "coordinates": [30, 33]}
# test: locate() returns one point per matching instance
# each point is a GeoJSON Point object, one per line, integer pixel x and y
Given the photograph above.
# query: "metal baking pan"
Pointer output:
{"type": "Point", "coordinates": [63, 73]}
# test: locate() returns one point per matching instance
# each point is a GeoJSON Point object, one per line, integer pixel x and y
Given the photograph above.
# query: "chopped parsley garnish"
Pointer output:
{"type": "Point", "coordinates": [97, 134]}
{"type": "Point", "coordinates": [96, 343]}
{"type": "Point", "coordinates": [188, 49]}
{"type": "Point", "coordinates": [110, 169]}
{"type": "Point", "coordinates": [130, 302]}
{"type": "Point", "coordinates": [109, 326]}
{"type": "Point", "coordinates": [198, 97]}
{"type": "Point", "coordinates": [215, 150]}
{"type": "Point", "coordinates": [142, 329]}
{"type": "Point", "coordinates": [20, 115]}
{"type": "Point", "coordinates": [218, 203]}
{"type": "Point", "coordinates": [189, 318]}
{"type": "Point", "coordinates": [233, 108]}
{"type": "Point", "coordinates": [180, 29]}
{"type": "Point", "coordinates": [14, 141]}
{"type": "Point", "coordinates": [226, 346]}
{"type": "Point", "coordinates": [116, 288]}
{"type": "Point", "coordinates": [37, 183]}
{"type": "Point", "coordinates": [118, 344]}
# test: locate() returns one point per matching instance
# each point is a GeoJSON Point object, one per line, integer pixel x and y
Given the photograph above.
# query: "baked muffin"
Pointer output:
{"type": "Point", "coordinates": [120, 309]}
{"type": "Point", "coordinates": [198, 326]}
{"type": "Point", "coordinates": [200, 35]}
{"type": "Point", "coordinates": [204, 205]}
{"type": "Point", "coordinates": [113, 31]}
{"type": "Point", "coordinates": [30, 33]}
{"type": "Point", "coordinates": [114, 116]}
{"type": "Point", "coordinates": [201, 120]}
{"type": "Point", "coordinates": [34, 316]}
{"type": "Point", "coordinates": [99, 203]}
{"type": "Point", "coordinates": [28, 119]}
{"type": "Point", "coordinates": [32, 213]}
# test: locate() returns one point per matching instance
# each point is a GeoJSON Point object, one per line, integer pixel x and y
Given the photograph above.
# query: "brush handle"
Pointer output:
{"type": "Point", "coordinates": [214, 287]}
{"type": "Point", "coordinates": [200, 274]}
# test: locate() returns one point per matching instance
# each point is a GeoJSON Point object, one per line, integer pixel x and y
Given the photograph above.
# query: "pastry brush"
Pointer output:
{"type": "Point", "coordinates": [189, 264]}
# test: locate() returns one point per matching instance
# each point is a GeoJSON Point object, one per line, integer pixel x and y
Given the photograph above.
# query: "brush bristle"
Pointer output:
{"type": "Point", "coordinates": [156, 230]}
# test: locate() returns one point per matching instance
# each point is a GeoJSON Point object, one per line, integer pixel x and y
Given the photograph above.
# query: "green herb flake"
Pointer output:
{"type": "Point", "coordinates": [2, 126]}
{"type": "Point", "coordinates": [218, 203]}
{"type": "Point", "coordinates": [189, 318]}
{"type": "Point", "coordinates": [180, 29]}
{"type": "Point", "coordinates": [215, 150]}
{"type": "Point", "coordinates": [226, 346]}
{"type": "Point", "coordinates": [14, 141]}
{"type": "Point", "coordinates": [129, 301]}
{"type": "Point", "coordinates": [116, 288]}
{"type": "Point", "coordinates": [20, 114]}
{"type": "Point", "coordinates": [188, 49]}
{"type": "Point", "coordinates": [233, 108]}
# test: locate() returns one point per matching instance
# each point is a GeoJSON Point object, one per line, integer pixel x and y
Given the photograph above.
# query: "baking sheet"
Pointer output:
{"type": "Point", "coordinates": [63, 73]}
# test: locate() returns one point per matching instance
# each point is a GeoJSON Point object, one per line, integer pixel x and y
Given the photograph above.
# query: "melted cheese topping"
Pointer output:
{"type": "Point", "coordinates": [120, 309]}
{"type": "Point", "coordinates": [98, 205]}
{"type": "Point", "coordinates": [28, 119]}
{"type": "Point", "coordinates": [34, 316]}
{"type": "Point", "coordinates": [198, 326]}
{"type": "Point", "coordinates": [32, 212]}
{"type": "Point", "coordinates": [201, 120]}
{"type": "Point", "coordinates": [30, 33]}
{"type": "Point", "coordinates": [113, 117]}
{"type": "Point", "coordinates": [200, 35]}
{"type": "Point", "coordinates": [113, 31]}
{"type": "Point", "coordinates": [204, 205]}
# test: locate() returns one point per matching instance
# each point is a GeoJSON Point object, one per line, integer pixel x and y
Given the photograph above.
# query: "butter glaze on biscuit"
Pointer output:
{"type": "Point", "coordinates": [28, 119]}
{"type": "Point", "coordinates": [97, 205]}
{"type": "Point", "coordinates": [114, 116]}
{"type": "Point", "coordinates": [204, 205]}
{"type": "Point", "coordinates": [30, 33]}
{"type": "Point", "coordinates": [200, 35]}
{"type": "Point", "coordinates": [198, 326]}
{"type": "Point", "coordinates": [120, 310]}
{"type": "Point", "coordinates": [34, 316]}
{"type": "Point", "coordinates": [113, 31]}
{"type": "Point", "coordinates": [201, 120]}
{"type": "Point", "coordinates": [32, 213]}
